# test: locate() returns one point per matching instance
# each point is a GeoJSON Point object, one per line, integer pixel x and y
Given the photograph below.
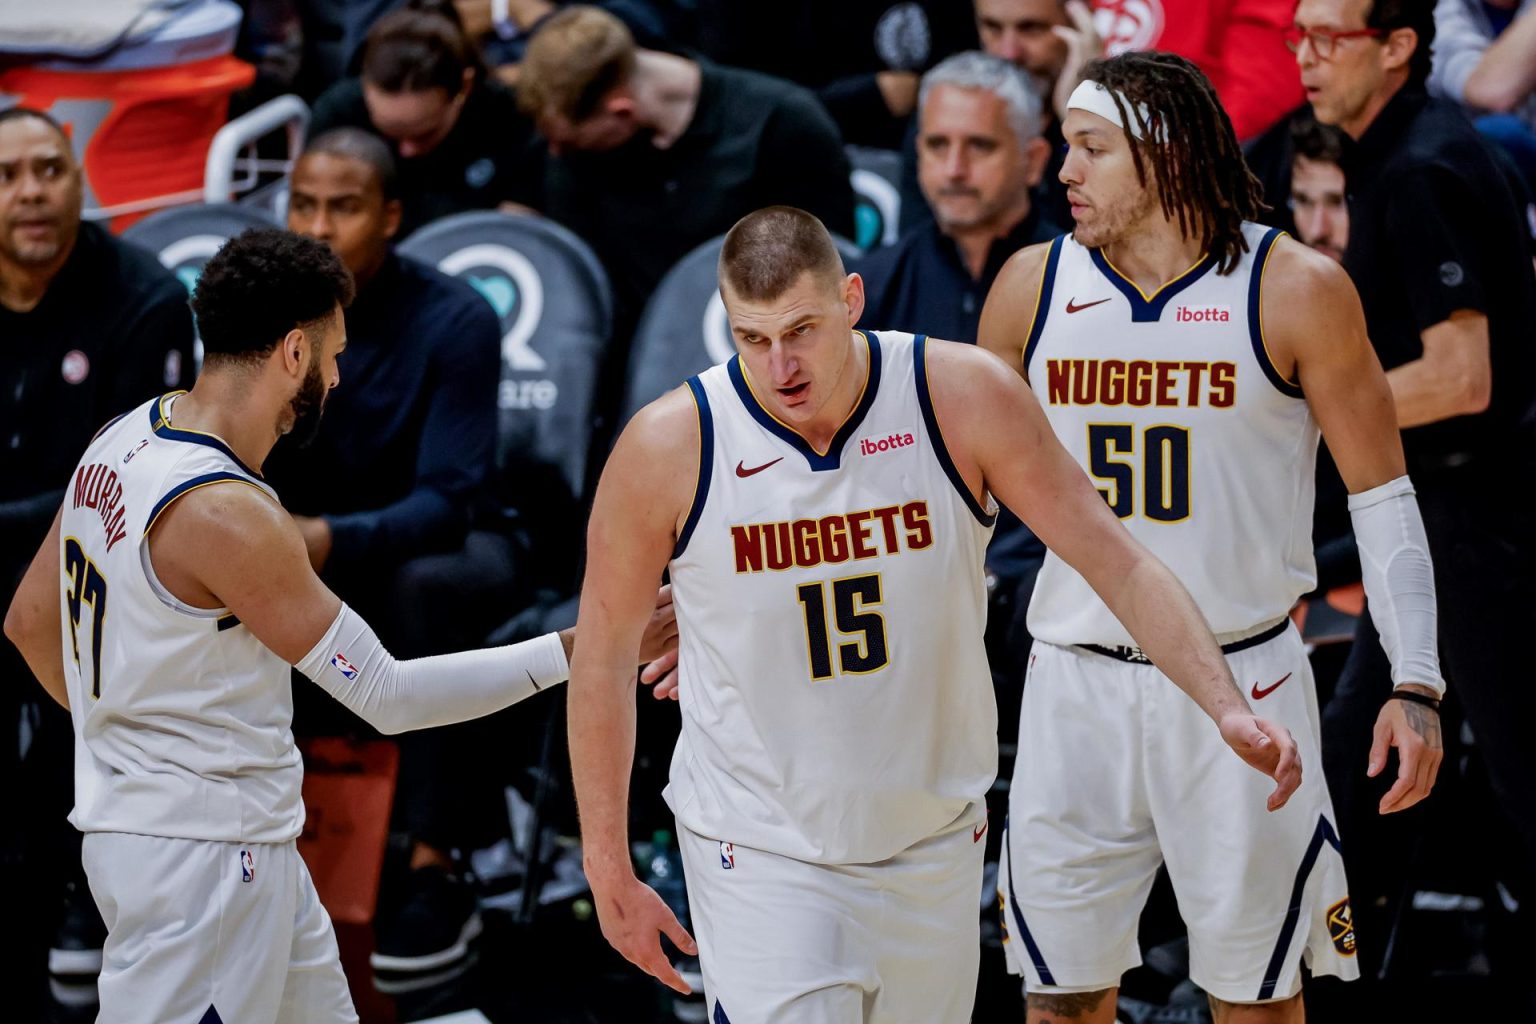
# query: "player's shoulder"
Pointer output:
{"type": "Point", "coordinates": [1298, 278]}
{"type": "Point", "coordinates": [665, 431]}
{"type": "Point", "coordinates": [1029, 262]}
{"type": "Point", "coordinates": [964, 376]}
{"type": "Point", "coordinates": [209, 512]}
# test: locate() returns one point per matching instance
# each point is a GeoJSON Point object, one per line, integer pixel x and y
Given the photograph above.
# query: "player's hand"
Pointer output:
{"type": "Point", "coordinates": [633, 918]}
{"type": "Point", "coordinates": [1268, 747]}
{"type": "Point", "coordinates": [661, 632]}
{"type": "Point", "coordinates": [661, 676]}
{"type": "Point", "coordinates": [1083, 45]}
{"type": "Point", "coordinates": [1415, 731]}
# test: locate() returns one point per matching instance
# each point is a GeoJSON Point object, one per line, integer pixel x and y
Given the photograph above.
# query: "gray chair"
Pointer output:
{"type": "Point", "coordinates": [877, 195]}
{"type": "Point", "coordinates": [556, 312]}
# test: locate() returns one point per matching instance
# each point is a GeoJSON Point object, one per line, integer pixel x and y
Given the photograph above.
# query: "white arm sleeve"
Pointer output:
{"type": "Point", "coordinates": [393, 696]}
{"type": "Point", "coordinates": [1399, 580]}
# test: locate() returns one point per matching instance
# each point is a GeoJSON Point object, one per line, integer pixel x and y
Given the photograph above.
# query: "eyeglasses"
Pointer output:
{"type": "Point", "coordinates": [1323, 40]}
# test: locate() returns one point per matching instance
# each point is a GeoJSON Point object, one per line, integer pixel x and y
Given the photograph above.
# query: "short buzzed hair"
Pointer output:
{"type": "Point", "coordinates": [364, 147]}
{"type": "Point", "coordinates": [18, 113]}
{"type": "Point", "coordinates": [577, 57]}
{"type": "Point", "coordinates": [767, 251]}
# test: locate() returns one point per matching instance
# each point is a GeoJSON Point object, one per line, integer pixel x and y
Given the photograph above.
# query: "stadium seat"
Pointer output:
{"type": "Point", "coordinates": [877, 195]}
{"type": "Point", "coordinates": [186, 237]}
{"type": "Point", "coordinates": [556, 312]}
{"type": "Point", "coordinates": [683, 330]}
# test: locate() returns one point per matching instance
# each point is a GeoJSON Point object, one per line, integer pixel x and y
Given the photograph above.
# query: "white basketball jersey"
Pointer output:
{"type": "Point", "coordinates": [1171, 405]}
{"type": "Point", "coordinates": [836, 701]}
{"type": "Point", "coordinates": [182, 717]}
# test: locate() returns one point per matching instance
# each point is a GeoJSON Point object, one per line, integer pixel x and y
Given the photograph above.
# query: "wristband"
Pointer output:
{"type": "Point", "coordinates": [1416, 698]}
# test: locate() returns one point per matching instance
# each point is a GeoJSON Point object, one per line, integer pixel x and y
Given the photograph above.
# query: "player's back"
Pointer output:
{"type": "Point", "coordinates": [836, 701]}
{"type": "Point", "coordinates": [182, 717]}
{"type": "Point", "coordinates": [1172, 406]}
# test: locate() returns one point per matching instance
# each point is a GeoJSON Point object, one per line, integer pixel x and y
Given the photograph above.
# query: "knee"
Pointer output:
{"type": "Point", "coordinates": [1279, 1011]}
{"type": "Point", "coordinates": [1071, 1007]}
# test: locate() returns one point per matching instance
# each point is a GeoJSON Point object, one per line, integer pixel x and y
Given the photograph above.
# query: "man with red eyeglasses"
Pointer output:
{"type": "Point", "coordinates": [1437, 251]}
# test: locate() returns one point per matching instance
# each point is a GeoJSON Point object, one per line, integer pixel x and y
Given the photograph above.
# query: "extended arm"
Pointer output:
{"type": "Point", "coordinates": [642, 497]}
{"type": "Point", "coordinates": [35, 621]}
{"type": "Point", "coordinates": [993, 418]}
{"type": "Point", "coordinates": [1322, 331]}
{"type": "Point", "coordinates": [1506, 74]}
{"type": "Point", "coordinates": [1454, 376]}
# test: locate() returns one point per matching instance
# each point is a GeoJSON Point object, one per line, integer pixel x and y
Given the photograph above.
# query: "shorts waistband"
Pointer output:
{"type": "Point", "coordinates": [1135, 655]}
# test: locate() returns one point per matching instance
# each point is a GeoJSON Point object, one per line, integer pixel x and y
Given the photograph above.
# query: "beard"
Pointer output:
{"type": "Point", "coordinates": [307, 406]}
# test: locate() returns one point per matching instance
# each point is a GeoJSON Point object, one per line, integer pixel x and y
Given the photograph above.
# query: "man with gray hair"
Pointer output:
{"type": "Point", "coordinates": [979, 154]}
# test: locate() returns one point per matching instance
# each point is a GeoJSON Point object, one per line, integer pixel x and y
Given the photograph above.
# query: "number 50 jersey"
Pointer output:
{"type": "Point", "coordinates": [1199, 445]}
{"type": "Point", "coordinates": [836, 702]}
{"type": "Point", "coordinates": [182, 717]}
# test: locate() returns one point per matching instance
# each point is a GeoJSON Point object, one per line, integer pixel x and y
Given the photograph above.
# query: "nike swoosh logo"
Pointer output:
{"type": "Point", "coordinates": [741, 471]}
{"type": "Point", "coordinates": [1259, 694]}
{"type": "Point", "coordinates": [1073, 307]}
{"type": "Point", "coordinates": [536, 686]}
{"type": "Point", "coordinates": [976, 833]}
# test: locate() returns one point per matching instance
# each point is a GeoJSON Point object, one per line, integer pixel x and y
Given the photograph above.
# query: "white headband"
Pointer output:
{"type": "Point", "coordinates": [1096, 99]}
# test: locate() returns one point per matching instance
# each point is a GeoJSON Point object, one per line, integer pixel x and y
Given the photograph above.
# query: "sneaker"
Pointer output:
{"type": "Point", "coordinates": [76, 949]}
{"type": "Point", "coordinates": [432, 926]}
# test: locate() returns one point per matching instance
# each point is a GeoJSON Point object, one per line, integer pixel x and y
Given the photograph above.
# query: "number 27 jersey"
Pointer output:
{"type": "Point", "coordinates": [1172, 406]}
{"type": "Point", "coordinates": [836, 702]}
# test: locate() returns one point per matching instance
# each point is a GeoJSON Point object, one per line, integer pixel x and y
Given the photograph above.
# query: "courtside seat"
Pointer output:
{"type": "Point", "coordinates": [877, 195]}
{"type": "Point", "coordinates": [556, 311]}
{"type": "Point", "coordinates": [186, 237]}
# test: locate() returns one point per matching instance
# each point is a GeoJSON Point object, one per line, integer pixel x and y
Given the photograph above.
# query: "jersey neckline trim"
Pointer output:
{"type": "Point", "coordinates": [832, 457]}
{"type": "Point", "coordinates": [161, 425]}
{"type": "Point", "coordinates": [1149, 308]}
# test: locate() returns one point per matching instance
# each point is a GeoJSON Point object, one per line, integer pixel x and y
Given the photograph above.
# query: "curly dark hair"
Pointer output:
{"type": "Point", "coordinates": [262, 284]}
{"type": "Point", "coordinates": [1198, 167]}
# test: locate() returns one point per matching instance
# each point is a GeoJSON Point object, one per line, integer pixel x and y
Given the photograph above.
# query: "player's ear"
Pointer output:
{"type": "Point", "coordinates": [295, 350]}
{"type": "Point", "coordinates": [1037, 153]}
{"type": "Point", "coordinates": [853, 297]}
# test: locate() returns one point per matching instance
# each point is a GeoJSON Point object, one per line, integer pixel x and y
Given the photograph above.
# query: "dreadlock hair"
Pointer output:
{"type": "Point", "coordinates": [1187, 138]}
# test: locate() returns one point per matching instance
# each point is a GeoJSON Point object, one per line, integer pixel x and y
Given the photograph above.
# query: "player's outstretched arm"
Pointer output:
{"type": "Point", "coordinates": [232, 546]}
{"type": "Point", "coordinates": [642, 500]}
{"type": "Point", "coordinates": [1314, 326]}
{"type": "Point", "coordinates": [1001, 441]}
{"type": "Point", "coordinates": [35, 622]}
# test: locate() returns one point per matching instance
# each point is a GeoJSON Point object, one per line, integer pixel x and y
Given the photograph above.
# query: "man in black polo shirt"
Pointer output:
{"type": "Point", "coordinates": [89, 328]}
{"type": "Point", "coordinates": [654, 154]}
{"type": "Point", "coordinates": [1437, 252]}
{"type": "Point", "coordinates": [384, 497]}
{"type": "Point", "coordinates": [458, 138]}
{"type": "Point", "coordinates": [979, 156]}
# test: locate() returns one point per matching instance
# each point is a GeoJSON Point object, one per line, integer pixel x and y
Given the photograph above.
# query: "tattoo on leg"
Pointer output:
{"type": "Point", "coordinates": [1424, 721]}
{"type": "Point", "coordinates": [1066, 1004]}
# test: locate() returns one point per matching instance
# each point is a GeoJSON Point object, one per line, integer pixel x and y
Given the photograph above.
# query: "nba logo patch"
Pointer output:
{"type": "Point", "coordinates": [247, 866]}
{"type": "Point", "coordinates": [345, 667]}
{"type": "Point", "coordinates": [727, 856]}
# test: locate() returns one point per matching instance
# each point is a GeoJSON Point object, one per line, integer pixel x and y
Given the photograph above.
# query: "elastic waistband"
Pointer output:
{"type": "Point", "coordinates": [1135, 655]}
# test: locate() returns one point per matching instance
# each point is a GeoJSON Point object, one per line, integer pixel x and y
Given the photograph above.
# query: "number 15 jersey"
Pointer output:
{"type": "Point", "coordinates": [836, 702]}
{"type": "Point", "coordinates": [1172, 406]}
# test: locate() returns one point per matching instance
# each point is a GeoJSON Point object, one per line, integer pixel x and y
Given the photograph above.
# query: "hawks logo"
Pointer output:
{"type": "Point", "coordinates": [1128, 24]}
{"type": "Point", "coordinates": [1341, 927]}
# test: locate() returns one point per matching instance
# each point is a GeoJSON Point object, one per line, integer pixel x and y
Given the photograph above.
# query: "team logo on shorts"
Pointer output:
{"type": "Point", "coordinates": [1341, 927]}
{"type": "Point", "coordinates": [247, 866]}
{"type": "Point", "coordinates": [727, 856]}
{"type": "Point", "coordinates": [345, 667]}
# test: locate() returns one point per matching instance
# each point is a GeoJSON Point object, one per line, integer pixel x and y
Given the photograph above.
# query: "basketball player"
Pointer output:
{"type": "Point", "coordinates": [823, 502]}
{"type": "Point", "coordinates": [186, 596]}
{"type": "Point", "coordinates": [1186, 358]}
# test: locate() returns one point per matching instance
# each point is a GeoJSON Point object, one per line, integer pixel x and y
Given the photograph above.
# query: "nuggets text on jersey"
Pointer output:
{"type": "Point", "coordinates": [807, 543]}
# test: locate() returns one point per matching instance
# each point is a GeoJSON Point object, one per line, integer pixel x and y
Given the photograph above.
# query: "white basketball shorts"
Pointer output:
{"type": "Point", "coordinates": [1118, 772]}
{"type": "Point", "coordinates": [783, 940]}
{"type": "Point", "coordinates": [201, 933]}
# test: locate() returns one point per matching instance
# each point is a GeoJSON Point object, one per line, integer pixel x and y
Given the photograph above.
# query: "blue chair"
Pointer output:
{"type": "Point", "coordinates": [876, 194]}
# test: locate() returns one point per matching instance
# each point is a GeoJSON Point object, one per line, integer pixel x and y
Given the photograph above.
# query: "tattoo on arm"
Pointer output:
{"type": "Point", "coordinates": [1066, 1004]}
{"type": "Point", "coordinates": [1424, 721]}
